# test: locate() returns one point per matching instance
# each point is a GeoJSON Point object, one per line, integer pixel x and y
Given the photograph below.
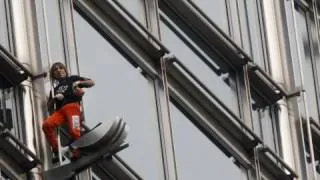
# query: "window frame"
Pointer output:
{"type": "Point", "coordinates": [202, 30]}
{"type": "Point", "coordinates": [135, 46]}
{"type": "Point", "coordinates": [211, 63]}
{"type": "Point", "coordinates": [207, 35]}
{"type": "Point", "coordinates": [244, 168]}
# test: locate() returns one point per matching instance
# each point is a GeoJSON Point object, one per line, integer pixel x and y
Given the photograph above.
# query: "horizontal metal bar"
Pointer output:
{"type": "Point", "coordinates": [145, 30]}
{"type": "Point", "coordinates": [122, 162]}
{"type": "Point", "coordinates": [220, 30]}
{"type": "Point", "coordinates": [15, 61]}
{"type": "Point", "coordinates": [206, 89]}
{"type": "Point", "coordinates": [189, 44]}
{"type": "Point", "coordinates": [284, 164]}
{"type": "Point", "coordinates": [6, 133]}
{"type": "Point", "coordinates": [257, 68]}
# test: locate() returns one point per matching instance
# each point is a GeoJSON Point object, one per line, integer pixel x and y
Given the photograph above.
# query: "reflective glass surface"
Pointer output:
{"type": "Point", "coordinates": [307, 63]}
{"type": "Point", "coordinates": [256, 32]}
{"type": "Point", "coordinates": [56, 46]}
{"type": "Point", "coordinates": [4, 36]}
{"type": "Point", "coordinates": [242, 17]}
{"type": "Point", "coordinates": [196, 156]}
{"type": "Point", "coordinates": [216, 10]}
{"type": "Point", "coordinates": [11, 108]}
{"type": "Point", "coordinates": [222, 85]}
{"type": "Point", "coordinates": [264, 124]}
{"type": "Point", "coordinates": [136, 8]}
{"type": "Point", "coordinates": [120, 90]}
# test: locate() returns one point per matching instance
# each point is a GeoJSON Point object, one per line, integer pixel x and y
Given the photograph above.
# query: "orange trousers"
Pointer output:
{"type": "Point", "coordinates": [69, 114]}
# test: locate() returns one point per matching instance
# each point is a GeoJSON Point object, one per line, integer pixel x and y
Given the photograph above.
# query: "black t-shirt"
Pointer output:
{"type": "Point", "coordinates": [64, 87]}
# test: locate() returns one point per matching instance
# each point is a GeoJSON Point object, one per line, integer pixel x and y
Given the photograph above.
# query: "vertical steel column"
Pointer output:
{"type": "Point", "coordinates": [162, 89]}
{"type": "Point", "coordinates": [304, 96]}
{"type": "Point", "coordinates": [67, 25]}
{"type": "Point", "coordinates": [277, 55]}
{"type": "Point", "coordinates": [25, 48]}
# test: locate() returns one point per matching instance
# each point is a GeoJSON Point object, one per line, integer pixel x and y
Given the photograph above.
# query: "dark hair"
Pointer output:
{"type": "Point", "coordinates": [61, 65]}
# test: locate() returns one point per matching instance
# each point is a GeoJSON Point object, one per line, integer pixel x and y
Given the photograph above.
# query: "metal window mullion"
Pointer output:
{"type": "Point", "coordinates": [275, 128]}
{"type": "Point", "coordinates": [236, 24]}
{"type": "Point", "coordinates": [296, 52]}
{"type": "Point", "coordinates": [246, 102]}
{"type": "Point", "coordinates": [313, 65]}
{"type": "Point", "coordinates": [65, 30]}
{"type": "Point", "coordinates": [164, 113]}
{"type": "Point", "coordinates": [163, 108]}
{"type": "Point", "coordinates": [304, 95]}
{"type": "Point", "coordinates": [314, 62]}
{"type": "Point", "coordinates": [3, 105]}
{"type": "Point", "coordinates": [261, 127]}
{"type": "Point", "coordinates": [245, 27]}
{"type": "Point", "coordinates": [9, 19]}
{"type": "Point", "coordinates": [17, 106]}
{"type": "Point", "coordinates": [263, 35]}
{"type": "Point", "coordinates": [243, 95]}
{"type": "Point", "coordinates": [171, 156]}
{"type": "Point", "coordinates": [68, 35]}
{"type": "Point", "coordinates": [229, 18]}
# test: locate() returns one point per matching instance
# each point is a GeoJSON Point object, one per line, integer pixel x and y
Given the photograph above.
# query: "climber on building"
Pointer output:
{"type": "Point", "coordinates": [64, 106]}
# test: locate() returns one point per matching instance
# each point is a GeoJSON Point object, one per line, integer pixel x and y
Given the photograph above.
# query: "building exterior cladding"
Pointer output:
{"type": "Point", "coordinates": [227, 89]}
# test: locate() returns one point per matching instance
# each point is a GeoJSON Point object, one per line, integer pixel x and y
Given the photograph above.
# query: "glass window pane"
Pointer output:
{"type": "Point", "coordinates": [307, 64]}
{"type": "Point", "coordinates": [196, 156]}
{"type": "Point", "coordinates": [136, 8]}
{"type": "Point", "coordinates": [256, 32]}
{"type": "Point", "coordinates": [120, 90]}
{"type": "Point", "coordinates": [54, 30]}
{"type": "Point", "coordinates": [222, 85]}
{"type": "Point", "coordinates": [217, 11]}
{"type": "Point", "coordinates": [2, 108]}
{"type": "Point", "coordinates": [244, 26]}
{"type": "Point", "coordinates": [4, 35]}
{"type": "Point", "coordinates": [6, 108]}
{"type": "Point", "coordinates": [264, 124]}
{"type": "Point", "coordinates": [10, 112]}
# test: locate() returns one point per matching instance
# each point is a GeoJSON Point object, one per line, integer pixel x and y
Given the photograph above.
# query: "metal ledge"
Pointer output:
{"type": "Point", "coordinates": [115, 168]}
{"type": "Point", "coordinates": [110, 167]}
{"type": "Point", "coordinates": [12, 73]}
{"type": "Point", "coordinates": [178, 74]}
{"type": "Point", "coordinates": [17, 151]}
{"type": "Point", "coordinates": [200, 28]}
{"type": "Point", "coordinates": [275, 165]}
{"type": "Point", "coordinates": [106, 12]}
{"type": "Point", "coordinates": [68, 171]}
{"type": "Point", "coordinates": [263, 84]}
{"type": "Point", "coordinates": [202, 31]}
